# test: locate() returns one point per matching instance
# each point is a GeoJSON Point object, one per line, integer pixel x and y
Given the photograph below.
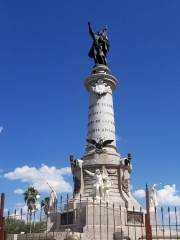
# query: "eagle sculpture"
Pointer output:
{"type": "Point", "coordinates": [100, 144]}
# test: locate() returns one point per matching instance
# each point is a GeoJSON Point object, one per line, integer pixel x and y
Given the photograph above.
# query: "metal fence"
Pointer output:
{"type": "Point", "coordinates": [2, 221]}
{"type": "Point", "coordinates": [105, 221]}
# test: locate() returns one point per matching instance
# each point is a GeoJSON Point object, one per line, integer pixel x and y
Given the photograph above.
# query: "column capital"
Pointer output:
{"type": "Point", "coordinates": [101, 72]}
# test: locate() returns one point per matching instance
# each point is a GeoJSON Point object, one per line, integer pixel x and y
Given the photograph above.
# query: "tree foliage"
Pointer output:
{"type": "Point", "coordinates": [16, 226]}
{"type": "Point", "coordinates": [31, 197]}
{"type": "Point", "coordinates": [45, 204]}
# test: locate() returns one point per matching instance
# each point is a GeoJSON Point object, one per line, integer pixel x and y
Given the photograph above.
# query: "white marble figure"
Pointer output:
{"type": "Point", "coordinates": [107, 183]}
{"type": "Point", "coordinates": [153, 198]}
{"type": "Point", "coordinates": [102, 184]}
{"type": "Point", "coordinates": [101, 88]}
{"type": "Point", "coordinates": [52, 198]}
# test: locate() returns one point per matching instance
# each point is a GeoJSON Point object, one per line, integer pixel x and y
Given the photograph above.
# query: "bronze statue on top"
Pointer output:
{"type": "Point", "coordinates": [100, 46]}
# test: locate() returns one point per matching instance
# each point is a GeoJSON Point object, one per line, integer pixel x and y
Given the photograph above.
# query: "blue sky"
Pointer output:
{"type": "Point", "coordinates": [43, 102]}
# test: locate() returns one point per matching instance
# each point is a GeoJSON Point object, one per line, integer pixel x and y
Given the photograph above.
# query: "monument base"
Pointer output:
{"type": "Point", "coordinates": [100, 220]}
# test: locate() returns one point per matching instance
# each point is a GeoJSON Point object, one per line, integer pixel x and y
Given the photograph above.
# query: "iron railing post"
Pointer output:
{"type": "Point", "coordinates": [147, 217]}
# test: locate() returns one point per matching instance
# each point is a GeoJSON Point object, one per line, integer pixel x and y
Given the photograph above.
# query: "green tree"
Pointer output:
{"type": "Point", "coordinates": [30, 198]}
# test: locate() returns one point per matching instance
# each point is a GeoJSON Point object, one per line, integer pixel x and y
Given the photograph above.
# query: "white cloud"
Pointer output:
{"type": "Point", "coordinates": [1, 129]}
{"type": "Point", "coordinates": [38, 177]}
{"type": "Point", "coordinates": [140, 193]}
{"type": "Point", "coordinates": [168, 195]}
{"type": "Point", "coordinates": [19, 191]}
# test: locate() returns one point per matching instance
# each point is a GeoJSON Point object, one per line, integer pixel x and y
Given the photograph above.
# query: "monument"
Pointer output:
{"type": "Point", "coordinates": [102, 206]}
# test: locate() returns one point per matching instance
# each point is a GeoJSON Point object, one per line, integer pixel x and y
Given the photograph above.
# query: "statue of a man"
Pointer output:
{"type": "Point", "coordinates": [153, 198]}
{"type": "Point", "coordinates": [76, 168]}
{"type": "Point", "coordinates": [52, 198]}
{"type": "Point", "coordinates": [102, 183]}
{"type": "Point", "coordinates": [100, 45]}
{"type": "Point", "coordinates": [98, 186]}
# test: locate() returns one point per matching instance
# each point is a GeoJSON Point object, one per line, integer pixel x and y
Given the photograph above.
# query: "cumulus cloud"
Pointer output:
{"type": "Point", "coordinates": [38, 177]}
{"type": "Point", "coordinates": [140, 193]}
{"type": "Point", "coordinates": [19, 191]}
{"type": "Point", "coordinates": [168, 195]}
{"type": "Point", "coordinates": [1, 129]}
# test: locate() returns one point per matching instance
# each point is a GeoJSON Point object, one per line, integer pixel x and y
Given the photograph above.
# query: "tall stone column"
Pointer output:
{"type": "Point", "coordinates": [101, 128]}
{"type": "Point", "coordinates": [101, 124]}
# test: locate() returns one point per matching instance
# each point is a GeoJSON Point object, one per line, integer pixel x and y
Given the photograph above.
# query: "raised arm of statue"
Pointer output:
{"type": "Point", "coordinates": [89, 173]}
{"type": "Point", "coordinates": [104, 172]}
{"type": "Point", "coordinates": [153, 198]}
{"type": "Point", "coordinates": [52, 190]}
{"type": "Point", "coordinates": [91, 31]}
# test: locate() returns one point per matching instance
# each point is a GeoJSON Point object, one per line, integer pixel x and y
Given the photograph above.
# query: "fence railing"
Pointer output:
{"type": "Point", "coordinates": [101, 220]}
{"type": "Point", "coordinates": [2, 221]}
